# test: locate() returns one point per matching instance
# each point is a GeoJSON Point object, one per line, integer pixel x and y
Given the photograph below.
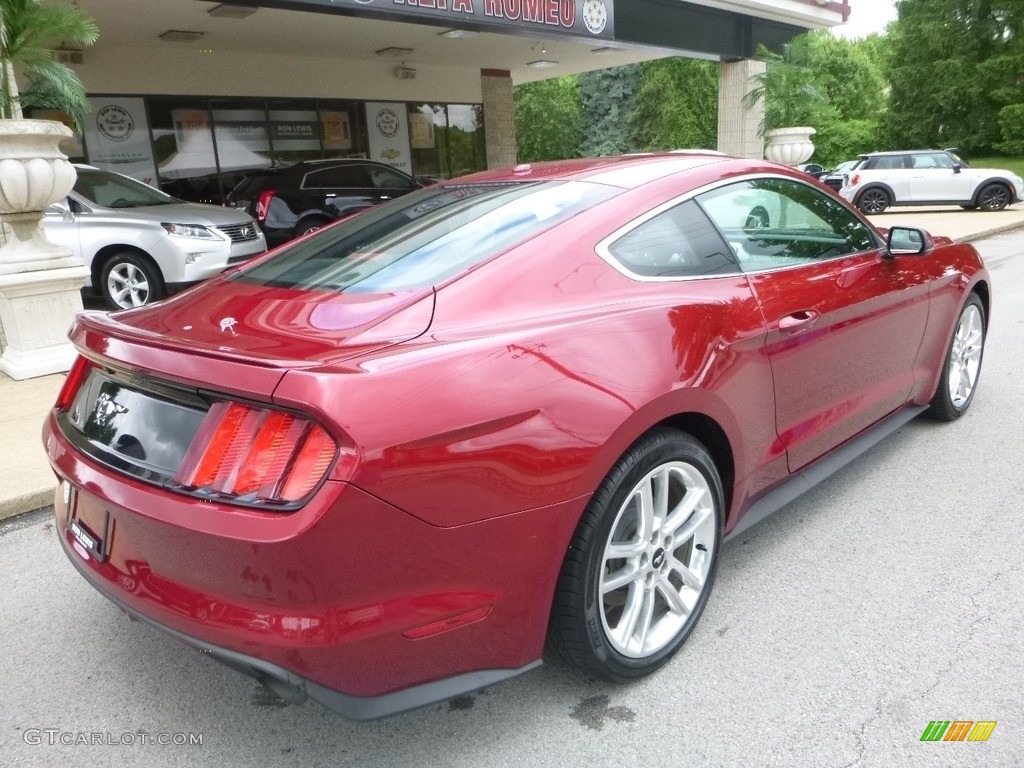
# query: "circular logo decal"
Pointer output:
{"type": "Point", "coordinates": [115, 123]}
{"type": "Point", "coordinates": [595, 16]}
{"type": "Point", "coordinates": [387, 123]}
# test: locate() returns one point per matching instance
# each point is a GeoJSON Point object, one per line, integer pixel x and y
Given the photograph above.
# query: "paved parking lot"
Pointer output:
{"type": "Point", "coordinates": [889, 597]}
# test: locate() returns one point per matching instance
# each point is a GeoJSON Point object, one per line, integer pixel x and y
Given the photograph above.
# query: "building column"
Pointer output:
{"type": "Point", "coordinates": [499, 117]}
{"type": "Point", "coordinates": [739, 124]}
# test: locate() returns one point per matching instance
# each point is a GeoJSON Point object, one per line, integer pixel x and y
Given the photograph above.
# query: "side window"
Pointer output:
{"type": "Point", "coordinates": [385, 178]}
{"type": "Point", "coordinates": [771, 223]}
{"type": "Point", "coordinates": [924, 161]}
{"type": "Point", "coordinates": [337, 176]}
{"type": "Point", "coordinates": [679, 242]}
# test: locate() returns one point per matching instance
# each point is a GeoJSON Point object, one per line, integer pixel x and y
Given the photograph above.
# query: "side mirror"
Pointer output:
{"type": "Point", "coordinates": [906, 241]}
{"type": "Point", "coordinates": [957, 168]}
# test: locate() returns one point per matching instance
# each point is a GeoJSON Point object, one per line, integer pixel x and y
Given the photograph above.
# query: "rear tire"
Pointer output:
{"type": "Point", "coordinates": [962, 368]}
{"type": "Point", "coordinates": [642, 561]}
{"type": "Point", "coordinates": [874, 200]}
{"type": "Point", "coordinates": [129, 280]}
{"type": "Point", "coordinates": [309, 227]}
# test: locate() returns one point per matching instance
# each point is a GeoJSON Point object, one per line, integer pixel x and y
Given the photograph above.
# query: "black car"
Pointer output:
{"type": "Point", "coordinates": [299, 199]}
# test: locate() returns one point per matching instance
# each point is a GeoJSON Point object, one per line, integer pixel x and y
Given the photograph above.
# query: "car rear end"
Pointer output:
{"type": "Point", "coordinates": [210, 497]}
{"type": "Point", "coordinates": [216, 453]}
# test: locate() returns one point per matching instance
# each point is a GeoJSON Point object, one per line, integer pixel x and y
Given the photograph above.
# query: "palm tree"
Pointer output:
{"type": "Point", "coordinates": [28, 32]}
{"type": "Point", "coordinates": [786, 86]}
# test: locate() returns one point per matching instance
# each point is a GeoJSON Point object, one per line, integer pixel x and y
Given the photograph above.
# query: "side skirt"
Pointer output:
{"type": "Point", "coordinates": [822, 469]}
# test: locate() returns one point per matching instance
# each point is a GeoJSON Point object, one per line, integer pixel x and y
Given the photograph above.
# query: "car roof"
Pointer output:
{"type": "Point", "coordinates": [625, 171]}
{"type": "Point", "coordinates": [904, 152]}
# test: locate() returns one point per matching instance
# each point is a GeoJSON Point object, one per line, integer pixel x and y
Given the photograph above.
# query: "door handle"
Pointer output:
{"type": "Point", "coordinates": [798, 321]}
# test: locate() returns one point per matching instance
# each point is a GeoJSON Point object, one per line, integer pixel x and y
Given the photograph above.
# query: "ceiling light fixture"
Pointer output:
{"type": "Point", "coordinates": [180, 36]}
{"type": "Point", "coordinates": [393, 52]}
{"type": "Point", "coordinates": [233, 11]}
{"type": "Point", "coordinates": [457, 34]}
{"type": "Point", "coordinates": [542, 64]}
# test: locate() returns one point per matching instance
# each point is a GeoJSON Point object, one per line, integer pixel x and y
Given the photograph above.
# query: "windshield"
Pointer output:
{"type": "Point", "coordinates": [115, 191]}
{"type": "Point", "coordinates": [427, 237]}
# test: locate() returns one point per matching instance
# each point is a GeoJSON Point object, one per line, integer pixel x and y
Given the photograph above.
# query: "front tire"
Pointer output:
{"type": "Point", "coordinates": [642, 561]}
{"type": "Point", "coordinates": [130, 280]}
{"type": "Point", "coordinates": [994, 197]}
{"type": "Point", "coordinates": [962, 368]}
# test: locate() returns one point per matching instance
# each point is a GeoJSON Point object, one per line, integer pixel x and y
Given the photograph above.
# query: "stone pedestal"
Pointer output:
{"type": "Point", "coordinates": [40, 283]}
{"type": "Point", "coordinates": [36, 311]}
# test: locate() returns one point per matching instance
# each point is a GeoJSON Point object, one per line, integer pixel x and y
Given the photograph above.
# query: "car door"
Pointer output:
{"type": "Point", "coordinates": [339, 189]}
{"type": "Point", "coordinates": [844, 320]}
{"type": "Point", "coordinates": [938, 178]}
{"type": "Point", "coordinates": [895, 172]}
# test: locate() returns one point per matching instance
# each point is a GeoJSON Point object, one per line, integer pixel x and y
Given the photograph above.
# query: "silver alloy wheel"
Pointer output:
{"type": "Point", "coordinates": [965, 357]}
{"type": "Point", "coordinates": [657, 559]}
{"type": "Point", "coordinates": [128, 285]}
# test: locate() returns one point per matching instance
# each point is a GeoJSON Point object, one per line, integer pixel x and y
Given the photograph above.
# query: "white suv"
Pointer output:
{"type": "Point", "coordinates": [928, 177]}
{"type": "Point", "coordinates": [141, 244]}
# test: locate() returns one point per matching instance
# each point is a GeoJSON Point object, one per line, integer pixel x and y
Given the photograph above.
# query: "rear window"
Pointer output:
{"type": "Point", "coordinates": [426, 237]}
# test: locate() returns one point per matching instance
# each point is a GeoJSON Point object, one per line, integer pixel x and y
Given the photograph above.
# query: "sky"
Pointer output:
{"type": "Point", "coordinates": [867, 16]}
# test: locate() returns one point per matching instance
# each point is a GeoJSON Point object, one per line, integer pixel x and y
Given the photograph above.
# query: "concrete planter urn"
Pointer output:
{"type": "Point", "coordinates": [40, 283]}
{"type": "Point", "coordinates": [789, 146]}
{"type": "Point", "coordinates": [34, 174]}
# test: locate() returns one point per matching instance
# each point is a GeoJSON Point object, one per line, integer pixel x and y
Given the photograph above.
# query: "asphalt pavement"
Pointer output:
{"type": "Point", "coordinates": [887, 598]}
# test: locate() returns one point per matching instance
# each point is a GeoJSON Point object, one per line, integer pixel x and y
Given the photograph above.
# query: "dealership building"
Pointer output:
{"type": "Point", "coordinates": [190, 95]}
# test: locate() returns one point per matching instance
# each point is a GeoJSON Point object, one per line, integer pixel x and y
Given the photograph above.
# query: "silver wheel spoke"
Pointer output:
{"type": "Point", "coordinates": [688, 577]}
{"type": "Point", "coordinates": [646, 617]}
{"type": "Point", "coordinates": [692, 520]}
{"type": "Point", "coordinates": [620, 579]}
{"type": "Point", "coordinates": [675, 602]}
{"type": "Point", "coordinates": [630, 616]}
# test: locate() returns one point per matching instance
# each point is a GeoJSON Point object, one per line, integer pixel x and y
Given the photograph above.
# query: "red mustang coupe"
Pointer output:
{"type": "Point", "coordinates": [383, 465]}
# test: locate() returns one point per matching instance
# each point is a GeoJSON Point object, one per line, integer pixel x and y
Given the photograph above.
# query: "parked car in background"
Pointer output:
{"type": "Point", "coordinates": [387, 464]}
{"type": "Point", "coordinates": [141, 244]}
{"type": "Point", "coordinates": [302, 198]}
{"type": "Point", "coordinates": [836, 178]}
{"type": "Point", "coordinates": [814, 170]}
{"type": "Point", "coordinates": [928, 177]}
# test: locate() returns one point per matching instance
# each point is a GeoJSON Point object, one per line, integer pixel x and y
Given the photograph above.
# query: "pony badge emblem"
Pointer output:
{"type": "Point", "coordinates": [228, 324]}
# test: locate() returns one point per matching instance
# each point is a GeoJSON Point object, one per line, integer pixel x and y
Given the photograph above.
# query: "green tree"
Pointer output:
{"type": "Point", "coordinates": [676, 105]}
{"type": "Point", "coordinates": [940, 93]}
{"type": "Point", "coordinates": [28, 32]}
{"type": "Point", "coordinates": [607, 98]}
{"type": "Point", "coordinates": [548, 119]}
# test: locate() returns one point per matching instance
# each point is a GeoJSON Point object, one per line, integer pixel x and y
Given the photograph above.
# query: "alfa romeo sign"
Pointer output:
{"type": "Point", "coordinates": [580, 18]}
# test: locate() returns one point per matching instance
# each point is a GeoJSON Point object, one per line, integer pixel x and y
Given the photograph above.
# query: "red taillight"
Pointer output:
{"type": "Point", "coordinates": [265, 455]}
{"type": "Point", "coordinates": [79, 370]}
{"type": "Point", "coordinates": [854, 180]}
{"type": "Point", "coordinates": [263, 203]}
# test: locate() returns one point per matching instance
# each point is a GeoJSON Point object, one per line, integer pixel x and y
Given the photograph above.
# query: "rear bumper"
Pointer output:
{"type": "Point", "coordinates": [296, 689]}
{"type": "Point", "coordinates": [348, 600]}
